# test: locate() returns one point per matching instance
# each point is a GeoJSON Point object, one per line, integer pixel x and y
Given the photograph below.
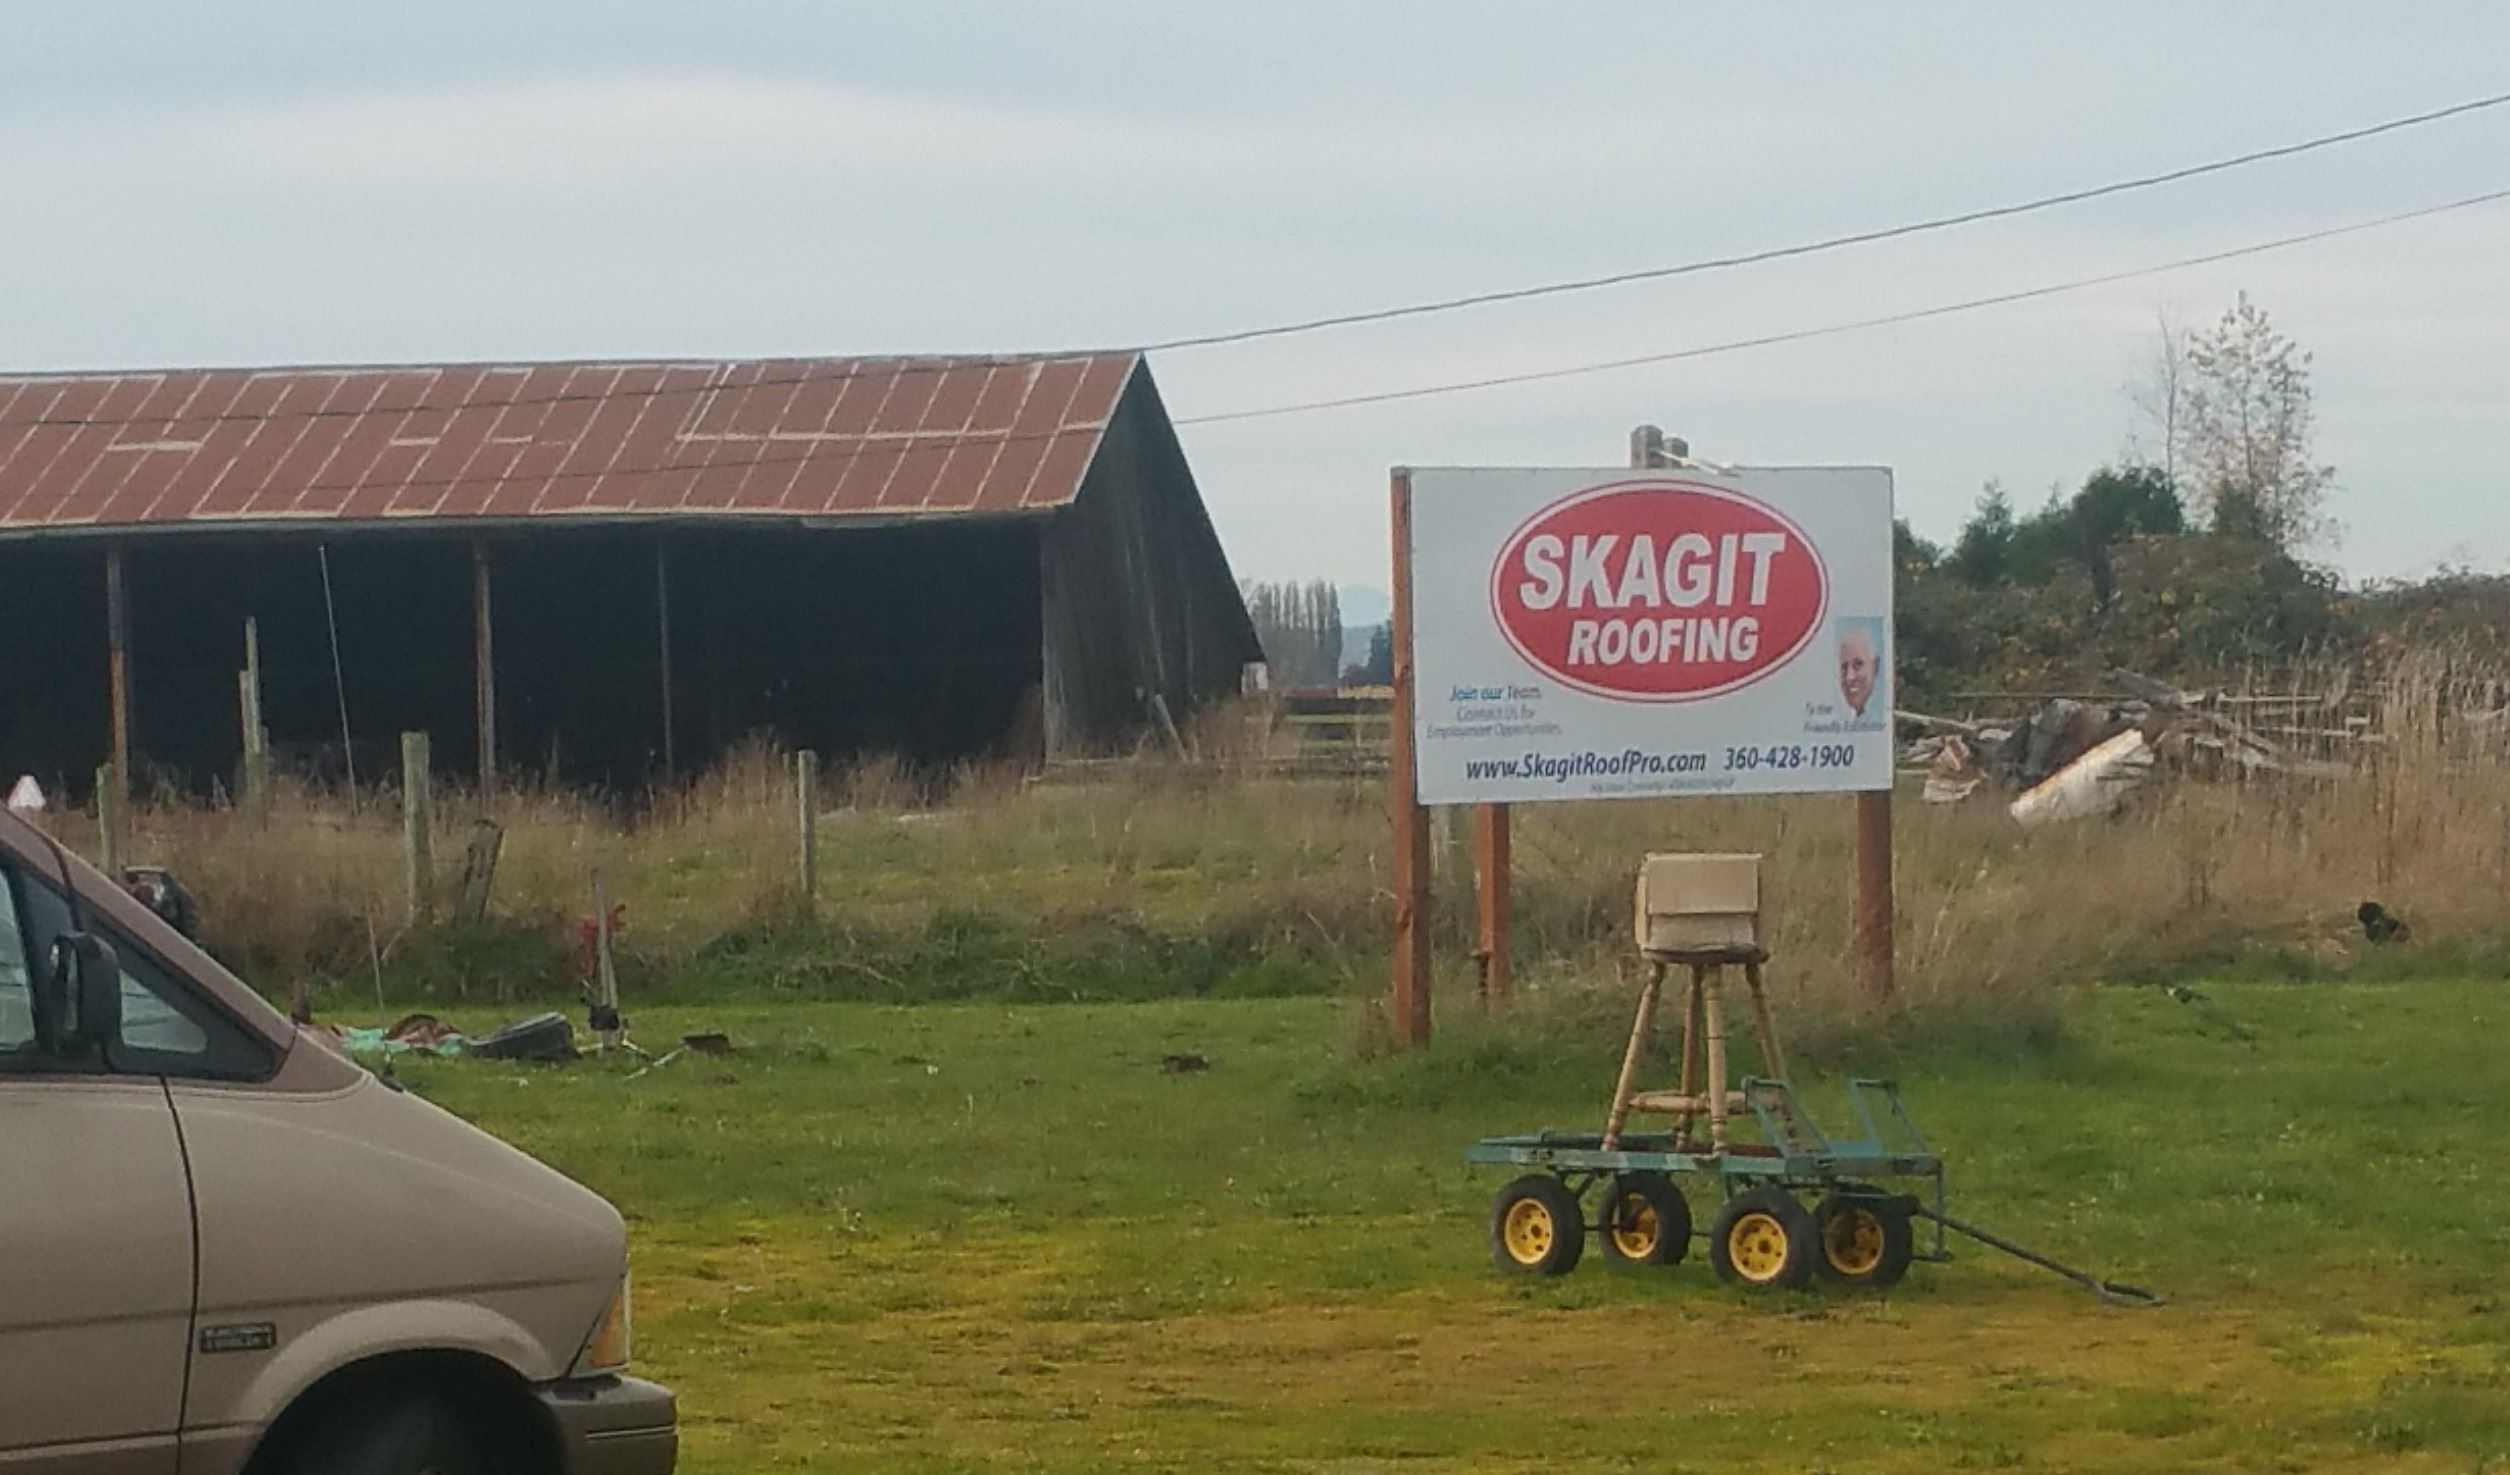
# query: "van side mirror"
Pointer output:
{"type": "Point", "coordinates": [87, 984]}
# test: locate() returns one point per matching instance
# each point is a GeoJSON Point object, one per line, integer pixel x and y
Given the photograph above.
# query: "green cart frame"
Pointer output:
{"type": "Point", "coordinates": [1794, 1206]}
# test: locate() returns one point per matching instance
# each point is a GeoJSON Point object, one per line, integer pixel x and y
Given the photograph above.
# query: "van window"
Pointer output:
{"type": "Point", "coordinates": [168, 1029]}
{"type": "Point", "coordinates": [149, 1023]}
{"type": "Point", "coordinates": [17, 976]}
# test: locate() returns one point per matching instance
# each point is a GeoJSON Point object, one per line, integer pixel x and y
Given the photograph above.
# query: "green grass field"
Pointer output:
{"type": "Point", "coordinates": [991, 1237]}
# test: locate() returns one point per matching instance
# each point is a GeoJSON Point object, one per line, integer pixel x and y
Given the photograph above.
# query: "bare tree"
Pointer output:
{"type": "Point", "coordinates": [2159, 393]}
{"type": "Point", "coordinates": [2245, 420]}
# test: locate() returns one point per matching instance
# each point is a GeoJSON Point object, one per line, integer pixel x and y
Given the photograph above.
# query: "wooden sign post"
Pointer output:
{"type": "Point", "coordinates": [1410, 869]}
{"type": "Point", "coordinates": [1875, 944]}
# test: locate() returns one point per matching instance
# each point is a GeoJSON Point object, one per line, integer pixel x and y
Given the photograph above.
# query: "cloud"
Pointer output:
{"type": "Point", "coordinates": [700, 207]}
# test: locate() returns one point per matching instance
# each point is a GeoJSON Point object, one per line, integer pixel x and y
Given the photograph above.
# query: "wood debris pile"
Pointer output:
{"type": "Point", "coordinates": [2068, 757]}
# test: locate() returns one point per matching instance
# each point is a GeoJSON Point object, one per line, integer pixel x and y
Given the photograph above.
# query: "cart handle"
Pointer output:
{"type": "Point", "coordinates": [2110, 1292]}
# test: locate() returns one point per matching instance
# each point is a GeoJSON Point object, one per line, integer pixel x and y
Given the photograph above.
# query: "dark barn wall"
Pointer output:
{"type": "Point", "coordinates": [575, 626]}
{"type": "Point", "coordinates": [923, 642]}
{"type": "Point", "coordinates": [917, 641]}
{"type": "Point", "coordinates": [402, 606]}
{"type": "Point", "coordinates": [52, 663]}
{"type": "Point", "coordinates": [1138, 593]}
{"type": "Point", "coordinates": [404, 640]}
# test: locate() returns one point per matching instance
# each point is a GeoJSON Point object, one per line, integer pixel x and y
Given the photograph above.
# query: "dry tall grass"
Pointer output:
{"type": "Point", "coordinates": [2192, 874]}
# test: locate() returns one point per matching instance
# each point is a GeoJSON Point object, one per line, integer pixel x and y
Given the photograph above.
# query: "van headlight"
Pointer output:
{"type": "Point", "coordinates": [607, 1349]}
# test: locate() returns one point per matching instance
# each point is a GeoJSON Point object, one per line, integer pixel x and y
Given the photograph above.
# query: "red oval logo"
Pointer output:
{"type": "Point", "coordinates": [1659, 591]}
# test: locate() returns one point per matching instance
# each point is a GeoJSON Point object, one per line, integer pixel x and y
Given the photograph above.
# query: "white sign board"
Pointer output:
{"type": "Point", "coordinates": [1631, 634]}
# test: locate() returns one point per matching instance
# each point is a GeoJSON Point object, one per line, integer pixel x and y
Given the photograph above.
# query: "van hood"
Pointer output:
{"type": "Point", "coordinates": [365, 1195]}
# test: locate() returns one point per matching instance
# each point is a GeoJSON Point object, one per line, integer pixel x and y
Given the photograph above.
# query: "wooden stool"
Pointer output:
{"type": "Point", "coordinates": [1703, 1090]}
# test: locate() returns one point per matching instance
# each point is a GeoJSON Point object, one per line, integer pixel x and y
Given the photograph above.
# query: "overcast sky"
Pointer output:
{"type": "Point", "coordinates": [197, 183]}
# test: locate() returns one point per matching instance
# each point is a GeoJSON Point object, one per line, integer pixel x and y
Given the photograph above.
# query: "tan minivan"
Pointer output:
{"type": "Point", "coordinates": [226, 1248]}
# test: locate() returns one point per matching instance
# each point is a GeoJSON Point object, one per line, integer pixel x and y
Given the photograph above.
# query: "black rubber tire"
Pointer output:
{"type": "Point", "coordinates": [1784, 1263]}
{"type": "Point", "coordinates": [1536, 1227]}
{"type": "Point", "coordinates": [1873, 1265]}
{"type": "Point", "coordinates": [541, 1037]}
{"type": "Point", "coordinates": [1668, 1214]}
{"type": "Point", "coordinates": [408, 1435]}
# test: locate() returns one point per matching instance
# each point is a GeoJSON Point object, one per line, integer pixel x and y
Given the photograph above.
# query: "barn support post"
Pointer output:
{"type": "Point", "coordinates": [118, 677]}
{"type": "Point", "coordinates": [417, 850]}
{"type": "Point", "coordinates": [1410, 1003]}
{"type": "Point", "coordinates": [662, 623]}
{"type": "Point", "coordinates": [484, 668]}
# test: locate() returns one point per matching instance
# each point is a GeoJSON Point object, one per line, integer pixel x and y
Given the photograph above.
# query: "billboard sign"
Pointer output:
{"type": "Point", "coordinates": [1634, 634]}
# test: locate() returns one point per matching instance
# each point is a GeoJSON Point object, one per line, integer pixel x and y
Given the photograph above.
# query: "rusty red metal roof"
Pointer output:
{"type": "Point", "coordinates": [884, 437]}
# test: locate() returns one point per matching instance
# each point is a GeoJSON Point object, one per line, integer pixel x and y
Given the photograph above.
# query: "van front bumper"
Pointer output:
{"type": "Point", "coordinates": [614, 1426]}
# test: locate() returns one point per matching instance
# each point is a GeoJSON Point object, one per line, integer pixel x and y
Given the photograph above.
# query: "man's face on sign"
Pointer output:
{"type": "Point", "coordinates": [1856, 669]}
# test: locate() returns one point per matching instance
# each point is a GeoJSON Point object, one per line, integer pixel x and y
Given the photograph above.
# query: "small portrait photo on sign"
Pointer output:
{"type": "Point", "coordinates": [1864, 674]}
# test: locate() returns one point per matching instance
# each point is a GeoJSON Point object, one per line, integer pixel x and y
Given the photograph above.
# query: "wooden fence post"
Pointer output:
{"type": "Point", "coordinates": [607, 1023]}
{"type": "Point", "coordinates": [418, 859]}
{"type": "Point", "coordinates": [108, 821]}
{"type": "Point", "coordinates": [256, 777]}
{"type": "Point", "coordinates": [806, 825]}
{"type": "Point", "coordinates": [479, 872]}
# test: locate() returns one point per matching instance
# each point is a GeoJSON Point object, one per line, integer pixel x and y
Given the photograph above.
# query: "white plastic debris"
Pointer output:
{"type": "Point", "coordinates": [26, 797]}
{"type": "Point", "coordinates": [2095, 783]}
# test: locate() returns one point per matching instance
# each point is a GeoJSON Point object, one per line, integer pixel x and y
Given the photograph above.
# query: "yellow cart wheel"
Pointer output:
{"type": "Point", "coordinates": [1866, 1239]}
{"type": "Point", "coordinates": [1763, 1240]}
{"type": "Point", "coordinates": [1646, 1221]}
{"type": "Point", "coordinates": [1536, 1227]}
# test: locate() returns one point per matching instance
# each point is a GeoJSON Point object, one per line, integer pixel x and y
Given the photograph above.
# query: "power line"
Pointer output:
{"type": "Point", "coordinates": [1834, 243]}
{"type": "Point", "coordinates": [1832, 329]}
{"type": "Point", "coordinates": [859, 368]}
{"type": "Point", "coordinates": [984, 441]}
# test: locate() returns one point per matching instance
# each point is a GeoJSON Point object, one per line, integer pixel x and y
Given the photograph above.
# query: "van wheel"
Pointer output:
{"type": "Point", "coordinates": [397, 1436]}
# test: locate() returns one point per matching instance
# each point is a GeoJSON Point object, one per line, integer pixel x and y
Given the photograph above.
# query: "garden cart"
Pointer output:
{"type": "Point", "coordinates": [1795, 1203]}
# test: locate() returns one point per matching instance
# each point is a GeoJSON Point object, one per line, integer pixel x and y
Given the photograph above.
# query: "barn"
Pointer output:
{"type": "Point", "coordinates": [603, 573]}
